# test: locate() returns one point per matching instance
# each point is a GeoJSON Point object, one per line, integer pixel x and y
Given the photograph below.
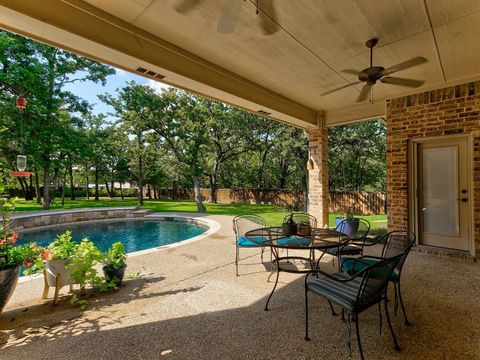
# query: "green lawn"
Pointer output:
{"type": "Point", "coordinates": [272, 214]}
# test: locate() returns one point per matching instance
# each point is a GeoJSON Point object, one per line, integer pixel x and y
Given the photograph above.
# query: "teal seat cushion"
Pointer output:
{"type": "Point", "coordinates": [243, 241]}
{"type": "Point", "coordinates": [293, 241]}
{"type": "Point", "coordinates": [350, 266]}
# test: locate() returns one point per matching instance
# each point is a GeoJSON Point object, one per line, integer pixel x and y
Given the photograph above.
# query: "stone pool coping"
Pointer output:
{"type": "Point", "coordinates": [212, 227]}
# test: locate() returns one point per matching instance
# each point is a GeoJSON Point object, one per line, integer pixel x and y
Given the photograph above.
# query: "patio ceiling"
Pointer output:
{"type": "Point", "coordinates": [283, 73]}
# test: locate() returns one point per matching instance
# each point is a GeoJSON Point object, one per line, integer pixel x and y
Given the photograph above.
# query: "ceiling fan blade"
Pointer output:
{"type": "Point", "coordinates": [184, 6]}
{"type": "Point", "coordinates": [402, 81]}
{"type": "Point", "coordinates": [228, 18]}
{"type": "Point", "coordinates": [268, 17]}
{"type": "Point", "coordinates": [340, 88]}
{"type": "Point", "coordinates": [364, 93]}
{"type": "Point", "coordinates": [351, 71]}
{"type": "Point", "coordinates": [404, 65]}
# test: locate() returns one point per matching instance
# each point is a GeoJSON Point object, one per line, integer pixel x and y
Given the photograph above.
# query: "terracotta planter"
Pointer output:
{"type": "Point", "coordinates": [115, 274]}
{"type": "Point", "coordinates": [8, 282]}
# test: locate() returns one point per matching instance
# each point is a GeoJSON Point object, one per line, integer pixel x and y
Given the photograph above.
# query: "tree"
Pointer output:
{"type": "Point", "coordinates": [230, 136]}
{"type": "Point", "coordinates": [133, 109]}
{"type": "Point", "coordinates": [43, 71]}
{"type": "Point", "coordinates": [181, 122]}
{"type": "Point", "coordinates": [356, 155]}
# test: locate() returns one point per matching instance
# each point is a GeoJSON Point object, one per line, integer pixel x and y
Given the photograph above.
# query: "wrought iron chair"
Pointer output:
{"type": "Point", "coordinates": [356, 242]}
{"type": "Point", "coordinates": [395, 242]}
{"type": "Point", "coordinates": [241, 225]}
{"type": "Point", "coordinates": [354, 294]}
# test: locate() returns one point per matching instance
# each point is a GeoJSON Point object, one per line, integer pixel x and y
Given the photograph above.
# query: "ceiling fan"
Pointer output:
{"type": "Point", "coordinates": [372, 74]}
{"type": "Point", "coordinates": [231, 11]}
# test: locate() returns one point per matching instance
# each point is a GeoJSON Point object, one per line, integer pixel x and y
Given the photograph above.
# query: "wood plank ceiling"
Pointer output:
{"type": "Point", "coordinates": [319, 39]}
{"type": "Point", "coordinates": [284, 73]}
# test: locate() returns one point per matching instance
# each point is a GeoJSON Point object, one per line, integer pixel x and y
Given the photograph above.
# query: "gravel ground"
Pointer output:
{"type": "Point", "coordinates": [188, 303]}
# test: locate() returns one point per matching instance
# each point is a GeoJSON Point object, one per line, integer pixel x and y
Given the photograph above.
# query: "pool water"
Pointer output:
{"type": "Point", "coordinates": [134, 234]}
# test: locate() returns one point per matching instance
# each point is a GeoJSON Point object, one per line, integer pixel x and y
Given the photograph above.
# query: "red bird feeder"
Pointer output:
{"type": "Point", "coordinates": [21, 103]}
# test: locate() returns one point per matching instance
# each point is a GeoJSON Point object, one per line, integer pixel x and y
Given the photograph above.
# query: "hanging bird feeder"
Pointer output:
{"type": "Point", "coordinates": [21, 103]}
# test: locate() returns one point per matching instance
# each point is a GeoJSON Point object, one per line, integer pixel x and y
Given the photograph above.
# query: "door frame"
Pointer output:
{"type": "Point", "coordinates": [413, 211]}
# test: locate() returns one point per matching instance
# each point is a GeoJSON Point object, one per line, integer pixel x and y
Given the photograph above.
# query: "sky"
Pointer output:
{"type": "Point", "coordinates": [88, 90]}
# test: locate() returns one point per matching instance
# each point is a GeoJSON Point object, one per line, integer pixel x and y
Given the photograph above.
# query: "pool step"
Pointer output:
{"type": "Point", "coordinates": [142, 212]}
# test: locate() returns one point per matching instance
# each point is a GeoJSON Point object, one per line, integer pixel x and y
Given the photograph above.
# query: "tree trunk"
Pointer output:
{"type": "Point", "coordinates": [72, 186]}
{"type": "Point", "coordinates": [112, 189]}
{"type": "Point", "coordinates": [198, 194]}
{"type": "Point", "coordinates": [46, 187]}
{"type": "Point", "coordinates": [37, 188]}
{"type": "Point", "coordinates": [149, 193]}
{"type": "Point", "coordinates": [64, 185]}
{"type": "Point", "coordinates": [87, 193]}
{"type": "Point", "coordinates": [140, 169]}
{"type": "Point", "coordinates": [155, 193]}
{"type": "Point", "coordinates": [96, 184]}
{"type": "Point", "coordinates": [108, 189]}
{"type": "Point", "coordinates": [121, 190]}
{"type": "Point", "coordinates": [29, 194]}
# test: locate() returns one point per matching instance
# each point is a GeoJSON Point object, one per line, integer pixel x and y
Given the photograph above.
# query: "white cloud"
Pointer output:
{"type": "Point", "coordinates": [157, 85]}
{"type": "Point", "coordinates": [120, 72]}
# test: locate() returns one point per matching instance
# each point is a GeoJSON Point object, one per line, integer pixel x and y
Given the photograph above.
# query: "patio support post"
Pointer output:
{"type": "Point", "coordinates": [318, 171]}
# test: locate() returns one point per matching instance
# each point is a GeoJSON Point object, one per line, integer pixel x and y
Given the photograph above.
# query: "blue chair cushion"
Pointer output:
{"type": "Point", "coordinates": [350, 266]}
{"type": "Point", "coordinates": [293, 241]}
{"type": "Point", "coordinates": [345, 250]}
{"type": "Point", "coordinates": [243, 241]}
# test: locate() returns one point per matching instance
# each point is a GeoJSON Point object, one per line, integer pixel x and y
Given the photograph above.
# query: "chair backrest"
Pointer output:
{"type": "Point", "coordinates": [398, 243]}
{"type": "Point", "coordinates": [245, 223]}
{"type": "Point", "coordinates": [301, 217]}
{"type": "Point", "coordinates": [375, 279]}
{"type": "Point", "coordinates": [357, 229]}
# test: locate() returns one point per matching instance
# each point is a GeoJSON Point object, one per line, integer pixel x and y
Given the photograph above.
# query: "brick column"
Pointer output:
{"type": "Point", "coordinates": [318, 172]}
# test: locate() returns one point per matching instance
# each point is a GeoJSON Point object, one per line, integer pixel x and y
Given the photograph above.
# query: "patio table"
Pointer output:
{"type": "Point", "coordinates": [320, 239]}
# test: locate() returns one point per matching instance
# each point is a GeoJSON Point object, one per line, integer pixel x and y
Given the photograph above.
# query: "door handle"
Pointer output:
{"type": "Point", "coordinates": [464, 199]}
{"type": "Point", "coordinates": [424, 209]}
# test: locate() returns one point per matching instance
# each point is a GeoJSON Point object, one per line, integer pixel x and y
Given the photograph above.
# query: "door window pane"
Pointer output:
{"type": "Point", "coordinates": [440, 189]}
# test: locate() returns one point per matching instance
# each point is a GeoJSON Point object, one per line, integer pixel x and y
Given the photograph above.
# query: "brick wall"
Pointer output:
{"type": "Point", "coordinates": [442, 112]}
{"type": "Point", "coordinates": [318, 173]}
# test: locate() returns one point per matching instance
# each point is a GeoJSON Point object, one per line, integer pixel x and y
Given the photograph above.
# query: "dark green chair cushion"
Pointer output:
{"type": "Point", "coordinates": [345, 250]}
{"type": "Point", "coordinates": [350, 266]}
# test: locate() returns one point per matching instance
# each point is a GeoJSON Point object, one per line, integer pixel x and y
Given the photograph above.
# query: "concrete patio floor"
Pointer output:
{"type": "Point", "coordinates": [188, 303]}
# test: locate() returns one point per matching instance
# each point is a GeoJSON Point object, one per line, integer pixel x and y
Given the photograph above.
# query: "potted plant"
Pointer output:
{"type": "Point", "coordinates": [12, 256]}
{"type": "Point", "coordinates": [304, 228]}
{"type": "Point", "coordinates": [289, 227]}
{"type": "Point", "coordinates": [350, 225]}
{"type": "Point", "coordinates": [115, 265]}
{"type": "Point", "coordinates": [57, 257]}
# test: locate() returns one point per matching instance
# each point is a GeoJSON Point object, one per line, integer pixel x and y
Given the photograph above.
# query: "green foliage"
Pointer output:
{"type": "Point", "coordinates": [62, 248]}
{"type": "Point", "coordinates": [356, 157]}
{"type": "Point", "coordinates": [115, 256]}
{"type": "Point", "coordinates": [82, 262]}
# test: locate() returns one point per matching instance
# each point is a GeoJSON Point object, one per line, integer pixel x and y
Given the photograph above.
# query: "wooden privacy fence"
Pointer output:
{"type": "Point", "coordinates": [365, 203]}
{"type": "Point", "coordinates": [361, 203]}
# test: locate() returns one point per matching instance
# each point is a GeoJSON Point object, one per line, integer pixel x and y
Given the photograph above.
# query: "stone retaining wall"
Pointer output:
{"type": "Point", "coordinates": [21, 222]}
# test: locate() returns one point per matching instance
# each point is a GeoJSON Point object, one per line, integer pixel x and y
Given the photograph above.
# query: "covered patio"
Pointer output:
{"type": "Point", "coordinates": [188, 303]}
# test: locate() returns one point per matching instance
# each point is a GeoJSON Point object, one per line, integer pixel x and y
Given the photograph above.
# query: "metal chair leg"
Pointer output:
{"type": "Point", "coordinates": [358, 337]}
{"type": "Point", "coordinates": [387, 315]}
{"type": "Point", "coordinates": [306, 315]}
{"type": "Point", "coordinates": [236, 260]}
{"type": "Point", "coordinates": [261, 256]}
{"type": "Point", "coordinates": [403, 306]}
{"type": "Point", "coordinates": [331, 307]}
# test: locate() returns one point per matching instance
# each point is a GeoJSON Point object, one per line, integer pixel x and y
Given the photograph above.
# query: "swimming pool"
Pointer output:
{"type": "Point", "coordinates": [136, 235]}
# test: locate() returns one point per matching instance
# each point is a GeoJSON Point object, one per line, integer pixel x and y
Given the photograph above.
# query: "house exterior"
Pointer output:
{"type": "Point", "coordinates": [289, 74]}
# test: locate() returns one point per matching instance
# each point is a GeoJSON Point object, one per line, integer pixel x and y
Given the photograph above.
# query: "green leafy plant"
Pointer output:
{"type": "Point", "coordinates": [62, 248]}
{"type": "Point", "coordinates": [82, 262]}
{"type": "Point", "coordinates": [115, 256]}
{"type": "Point", "coordinates": [12, 255]}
